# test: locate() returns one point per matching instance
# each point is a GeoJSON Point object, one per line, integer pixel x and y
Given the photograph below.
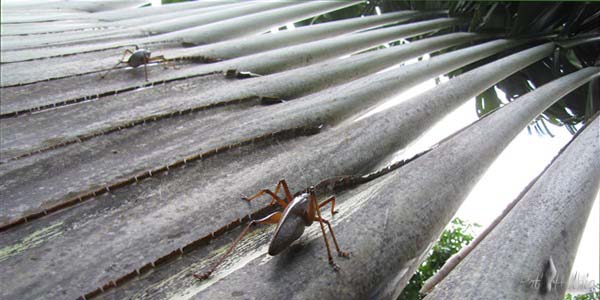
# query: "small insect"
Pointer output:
{"type": "Point", "coordinates": [137, 58]}
{"type": "Point", "coordinates": [299, 212]}
{"type": "Point", "coordinates": [236, 74]}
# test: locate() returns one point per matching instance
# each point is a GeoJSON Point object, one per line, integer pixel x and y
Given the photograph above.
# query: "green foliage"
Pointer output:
{"type": "Point", "coordinates": [595, 295]}
{"type": "Point", "coordinates": [565, 23]}
{"type": "Point", "coordinates": [562, 22]}
{"type": "Point", "coordinates": [457, 235]}
{"type": "Point", "coordinates": [172, 1]}
{"type": "Point", "coordinates": [487, 101]}
{"type": "Point", "coordinates": [344, 13]}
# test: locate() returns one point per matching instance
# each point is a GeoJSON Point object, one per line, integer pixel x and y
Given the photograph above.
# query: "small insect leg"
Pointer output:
{"type": "Point", "coordinates": [318, 218]}
{"type": "Point", "coordinates": [273, 195]}
{"type": "Point", "coordinates": [270, 219]}
{"type": "Point", "coordinates": [115, 66]}
{"type": "Point", "coordinates": [286, 190]}
{"type": "Point", "coordinates": [332, 200]}
{"type": "Point", "coordinates": [146, 70]}
{"type": "Point", "coordinates": [127, 51]}
{"type": "Point", "coordinates": [337, 247]}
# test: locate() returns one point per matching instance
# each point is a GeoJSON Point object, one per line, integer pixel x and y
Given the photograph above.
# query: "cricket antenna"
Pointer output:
{"type": "Point", "coordinates": [306, 183]}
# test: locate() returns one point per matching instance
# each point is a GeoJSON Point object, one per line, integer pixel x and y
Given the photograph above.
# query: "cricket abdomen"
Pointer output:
{"type": "Point", "coordinates": [291, 226]}
{"type": "Point", "coordinates": [138, 58]}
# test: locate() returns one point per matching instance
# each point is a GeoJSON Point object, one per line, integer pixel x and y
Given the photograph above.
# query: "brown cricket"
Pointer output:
{"type": "Point", "coordinates": [137, 58]}
{"type": "Point", "coordinates": [299, 212]}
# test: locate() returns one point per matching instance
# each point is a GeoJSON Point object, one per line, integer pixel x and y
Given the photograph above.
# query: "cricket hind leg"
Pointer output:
{"type": "Point", "coordinates": [332, 201]}
{"type": "Point", "coordinates": [321, 221]}
{"type": "Point", "coordinates": [270, 219]}
{"type": "Point", "coordinates": [337, 247]}
{"type": "Point", "coordinates": [335, 243]}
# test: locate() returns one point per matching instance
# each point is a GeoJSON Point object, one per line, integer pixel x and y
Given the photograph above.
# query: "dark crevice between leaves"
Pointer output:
{"type": "Point", "coordinates": [262, 100]}
{"type": "Point", "coordinates": [75, 30]}
{"type": "Point", "coordinates": [92, 194]}
{"type": "Point", "coordinates": [101, 48]}
{"type": "Point", "coordinates": [97, 96]}
{"type": "Point", "coordinates": [177, 60]}
{"type": "Point", "coordinates": [177, 253]}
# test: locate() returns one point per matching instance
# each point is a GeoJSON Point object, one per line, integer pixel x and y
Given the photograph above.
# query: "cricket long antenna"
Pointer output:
{"type": "Point", "coordinates": [307, 184]}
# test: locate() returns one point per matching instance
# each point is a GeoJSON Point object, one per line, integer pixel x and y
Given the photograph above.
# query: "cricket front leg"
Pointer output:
{"type": "Point", "coordinates": [121, 61]}
{"type": "Point", "coordinates": [125, 53]}
{"type": "Point", "coordinates": [146, 70]}
{"type": "Point", "coordinates": [114, 67]}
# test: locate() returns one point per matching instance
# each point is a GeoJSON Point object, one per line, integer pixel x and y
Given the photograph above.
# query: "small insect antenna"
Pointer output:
{"type": "Point", "coordinates": [302, 174]}
{"type": "Point", "coordinates": [329, 184]}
